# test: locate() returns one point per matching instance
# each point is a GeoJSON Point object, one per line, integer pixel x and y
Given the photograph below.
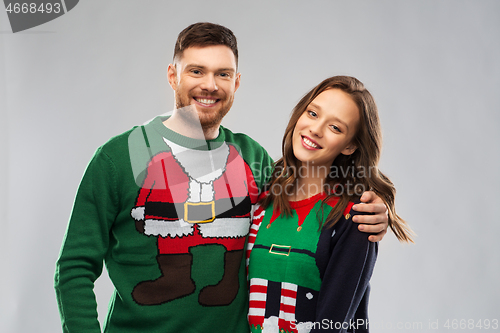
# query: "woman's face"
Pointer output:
{"type": "Point", "coordinates": [326, 129]}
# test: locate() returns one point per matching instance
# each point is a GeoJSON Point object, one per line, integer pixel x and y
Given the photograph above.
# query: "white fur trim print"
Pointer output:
{"type": "Point", "coordinates": [209, 166]}
{"type": "Point", "coordinates": [170, 228]}
{"type": "Point", "coordinates": [225, 227]}
{"type": "Point", "coordinates": [137, 213]}
{"type": "Point", "coordinates": [270, 325]}
{"type": "Point", "coordinates": [305, 327]}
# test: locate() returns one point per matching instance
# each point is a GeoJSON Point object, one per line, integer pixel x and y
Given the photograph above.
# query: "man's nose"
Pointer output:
{"type": "Point", "coordinates": [209, 83]}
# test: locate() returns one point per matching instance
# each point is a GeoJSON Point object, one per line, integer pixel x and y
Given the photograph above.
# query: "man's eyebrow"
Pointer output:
{"type": "Point", "coordinates": [229, 69]}
{"type": "Point", "coordinates": [189, 66]}
{"type": "Point", "coordinates": [334, 118]}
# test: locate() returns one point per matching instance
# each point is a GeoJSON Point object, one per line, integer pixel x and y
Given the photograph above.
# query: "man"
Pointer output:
{"type": "Point", "coordinates": [167, 207]}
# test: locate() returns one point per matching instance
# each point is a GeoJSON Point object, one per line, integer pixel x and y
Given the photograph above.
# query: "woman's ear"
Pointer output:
{"type": "Point", "coordinates": [351, 148]}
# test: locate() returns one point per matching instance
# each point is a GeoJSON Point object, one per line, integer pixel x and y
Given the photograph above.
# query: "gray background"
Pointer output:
{"type": "Point", "coordinates": [433, 66]}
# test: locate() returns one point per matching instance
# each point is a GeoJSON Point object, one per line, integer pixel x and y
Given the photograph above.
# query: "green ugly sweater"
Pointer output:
{"type": "Point", "coordinates": [169, 216]}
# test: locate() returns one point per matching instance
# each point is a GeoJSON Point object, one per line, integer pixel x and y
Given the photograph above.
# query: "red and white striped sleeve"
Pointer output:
{"type": "Point", "coordinates": [257, 216]}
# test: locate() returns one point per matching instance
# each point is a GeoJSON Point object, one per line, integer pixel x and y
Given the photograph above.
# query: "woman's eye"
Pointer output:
{"type": "Point", "coordinates": [335, 128]}
{"type": "Point", "coordinates": [312, 113]}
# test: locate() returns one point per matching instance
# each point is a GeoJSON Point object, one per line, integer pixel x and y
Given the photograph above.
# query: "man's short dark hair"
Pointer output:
{"type": "Point", "coordinates": [205, 34]}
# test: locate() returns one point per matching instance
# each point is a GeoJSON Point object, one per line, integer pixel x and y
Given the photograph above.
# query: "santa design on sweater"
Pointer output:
{"type": "Point", "coordinates": [188, 198]}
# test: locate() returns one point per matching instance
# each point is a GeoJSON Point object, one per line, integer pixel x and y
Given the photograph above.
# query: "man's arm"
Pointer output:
{"type": "Point", "coordinates": [375, 223]}
{"type": "Point", "coordinates": [86, 242]}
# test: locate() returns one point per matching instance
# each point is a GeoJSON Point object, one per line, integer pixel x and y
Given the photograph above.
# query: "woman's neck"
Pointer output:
{"type": "Point", "coordinates": [310, 182]}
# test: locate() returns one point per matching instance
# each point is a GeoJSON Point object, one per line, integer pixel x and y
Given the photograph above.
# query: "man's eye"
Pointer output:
{"type": "Point", "coordinates": [224, 75]}
{"type": "Point", "coordinates": [195, 71]}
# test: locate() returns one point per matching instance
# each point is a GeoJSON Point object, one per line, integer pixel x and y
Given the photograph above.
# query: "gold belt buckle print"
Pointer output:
{"type": "Point", "coordinates": [195, 206]}
{"type": "Point", "coordinates": [282, 250]}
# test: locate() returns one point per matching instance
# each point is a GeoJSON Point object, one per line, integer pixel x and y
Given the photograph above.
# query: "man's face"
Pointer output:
{"type": "Point", "coordinates": [206, 78]}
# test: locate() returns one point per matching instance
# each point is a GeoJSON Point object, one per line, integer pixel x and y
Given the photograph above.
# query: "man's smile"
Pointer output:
{"type": "Point", "coordinates": [206, 101]}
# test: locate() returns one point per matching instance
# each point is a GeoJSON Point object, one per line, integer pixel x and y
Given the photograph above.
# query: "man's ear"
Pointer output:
{"type": "Point", "coordinates": [237, 81]}
{"type": "Point", "coordinates": [351, 148]}
{"type": "Point", "coordinates": [172, 76]}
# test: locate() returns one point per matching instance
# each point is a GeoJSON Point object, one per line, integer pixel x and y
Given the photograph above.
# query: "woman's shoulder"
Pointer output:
{"type": "Point", "coordinates": [345, 220]}
{"type": "Point", "coordinates": [332, 201]}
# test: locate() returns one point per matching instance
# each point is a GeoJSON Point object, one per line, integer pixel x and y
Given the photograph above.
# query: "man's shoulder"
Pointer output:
{"type": "Point", "coordinates": [118, 141]}
{"type": "Point", "coordinates": [241, 139]}
{"type": "Point", "coordinates": [116, 149]}
{"type": "Point", "coordinates": [144, 132]}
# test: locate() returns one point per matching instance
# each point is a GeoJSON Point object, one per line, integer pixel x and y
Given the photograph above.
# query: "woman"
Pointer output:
{"type": "Point", "coordinates": [309, 266]}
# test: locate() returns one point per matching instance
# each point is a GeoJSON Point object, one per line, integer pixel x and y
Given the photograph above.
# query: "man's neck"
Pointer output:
{"type": "Point", "coordinates": [189, 129]}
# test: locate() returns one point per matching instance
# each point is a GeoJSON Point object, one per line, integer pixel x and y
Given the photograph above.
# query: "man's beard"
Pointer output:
{"type": "Point", "coordinates": [207, 120]}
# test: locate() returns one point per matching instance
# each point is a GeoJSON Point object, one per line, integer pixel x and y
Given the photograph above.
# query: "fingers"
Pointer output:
{"type": "Point", "coordinates": [376, 223]}
{"type": "Point", "coordinates": [378, 237]}
{"type": "Point", "coordinates": [373, 228]}
{"type": "Point", "coordinates": [376, 208]}
{"type": "Point", "coordinates": [370, 197]}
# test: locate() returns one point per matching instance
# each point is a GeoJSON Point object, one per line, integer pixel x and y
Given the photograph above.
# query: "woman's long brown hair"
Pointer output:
{"type": "Point", "coordinates": [358, 171]}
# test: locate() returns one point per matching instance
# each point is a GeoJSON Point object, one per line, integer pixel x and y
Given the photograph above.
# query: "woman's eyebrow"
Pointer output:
{"type": "Point", "coordinates": [316, 106]}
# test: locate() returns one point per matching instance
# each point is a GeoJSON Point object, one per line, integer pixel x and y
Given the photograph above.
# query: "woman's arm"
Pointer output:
{"type": "Point", "coordinates": [344, 290]}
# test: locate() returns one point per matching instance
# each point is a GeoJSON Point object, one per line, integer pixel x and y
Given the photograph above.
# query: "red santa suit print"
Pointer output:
{"type": "Point", "coordinates": [194, 197]}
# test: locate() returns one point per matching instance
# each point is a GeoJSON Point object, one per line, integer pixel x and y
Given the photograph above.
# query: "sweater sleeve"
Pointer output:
{"type": "Point", "coordinates": [345, 283]}
{"type": "Point", "coordinates": [85, 245]}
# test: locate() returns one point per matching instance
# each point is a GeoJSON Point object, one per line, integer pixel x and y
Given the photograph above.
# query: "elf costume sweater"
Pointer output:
{"type": "Point", "coordinates": [304, 278]}
{"type": "Point", "coordinates": [169, 216]}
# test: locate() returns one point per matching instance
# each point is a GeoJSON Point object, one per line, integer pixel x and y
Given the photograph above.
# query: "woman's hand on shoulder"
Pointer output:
{"type": "Point", "coordinates": [376, 222]}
